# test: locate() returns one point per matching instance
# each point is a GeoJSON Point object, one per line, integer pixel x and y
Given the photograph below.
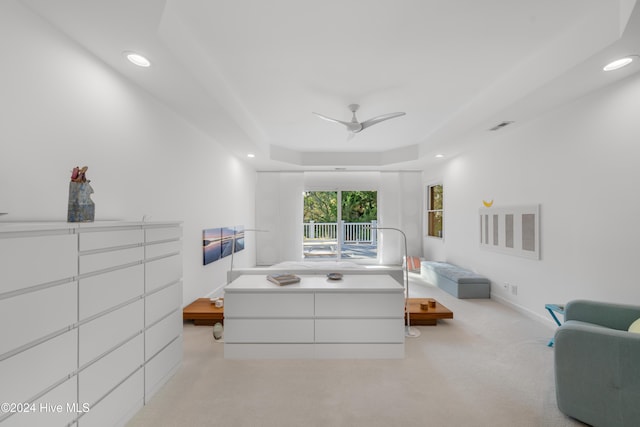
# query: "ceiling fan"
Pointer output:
{"type": "Point", "coordinates": [354, 126]}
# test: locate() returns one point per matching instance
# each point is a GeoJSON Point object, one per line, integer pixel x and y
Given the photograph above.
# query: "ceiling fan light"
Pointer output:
{"type": "Point", "coordinates": [355, 126]}
{"type": "Point", "coordinates": [618, 63]}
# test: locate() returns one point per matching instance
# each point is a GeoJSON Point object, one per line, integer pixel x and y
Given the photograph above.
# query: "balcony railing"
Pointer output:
{"type": "Point", "coordinates": [352, 232]}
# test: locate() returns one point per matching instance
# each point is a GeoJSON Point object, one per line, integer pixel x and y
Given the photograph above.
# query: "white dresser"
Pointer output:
{"type": "Point", "coordinates": [90, 319]}
{"type": "Point", "coordinates": [360, 316]}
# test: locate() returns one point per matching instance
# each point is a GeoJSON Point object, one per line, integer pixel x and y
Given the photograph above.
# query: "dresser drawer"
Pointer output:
{"type": "Point", "coordinates": [163, 233]}
{"type": "Point", "coordinates": [268, 305]}
{"type": "Point", "coordinates": [96, 380]}
{"type": "Point", "coordinates": [159, 249]}
{"type": "Point", "coordinates": [40, 313]}
{"type": "Point", "coordinates": [110, 330]}
{"type": "Point", "coordinates": [91, 240]}
{"type": "Point", "coordinates": [161, 303]}
{"type": "Point", "coordinates": [65, 393]}
{"type": "Point", "coordinates": [163, 271]}
{"type": "Point", "coordinates": [279, 331]}
{"type": "Point", "coordinates": [104, 291]}
{"type": "Point", "coordinates": [30, 261]}
{"type": "Point", "coordinates": [158, 370]}
{"type": "Point", "coordinates": [104, 260]}
{"type": "Point", "coordinates": [359, 304]}
{"type": "Point", "coordinates": [162, 333]}
{"type": "Point", "coordinates": [359, 330]}
{"type": "Point", "coordinates": [118, 406]}
{"type": "Point", "coordinates": [38, 368]}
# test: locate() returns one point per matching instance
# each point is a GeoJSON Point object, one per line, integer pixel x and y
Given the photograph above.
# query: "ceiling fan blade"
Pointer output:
{"type": "Point", "coordinates": [381, 118]}
{"type": "Point", "coordinates": [329, 119]}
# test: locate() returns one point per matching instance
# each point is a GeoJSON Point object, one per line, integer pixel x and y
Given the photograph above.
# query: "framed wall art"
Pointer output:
{"type": "Point", "coordinates": [511, 230]}
{"type": "Point", "coordinates": [221, 242]}
{"type": "Point", "coordinates": [239, 238]}
{"type": "Point", "coordinates": [211, 245]}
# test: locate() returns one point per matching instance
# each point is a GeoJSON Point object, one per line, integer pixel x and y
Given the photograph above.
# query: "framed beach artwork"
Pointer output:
{"type": "Point", "coordinates": [239, 238]}
{"type": "Point", "coordinates": [228, 234]}
{"type": "Point", "coordinates": [220, 242]}
{"type": "Point", "coordinates": [211, 245]}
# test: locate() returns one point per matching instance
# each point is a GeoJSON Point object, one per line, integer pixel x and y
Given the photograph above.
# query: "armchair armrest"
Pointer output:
{"type": "Point", "coordinates": [597, 374]}
{"type": "Point", "coordinates": [610, 315]}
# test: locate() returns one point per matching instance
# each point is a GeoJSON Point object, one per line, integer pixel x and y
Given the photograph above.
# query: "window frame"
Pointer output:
{"type": "Point", "coordinates": [429, 210]}
{"type": "Point", "coordinates": [339, 193]}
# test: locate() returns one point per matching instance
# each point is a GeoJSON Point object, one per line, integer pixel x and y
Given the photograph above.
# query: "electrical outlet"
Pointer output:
{"type": "Point", "coordinates": [514, 289]}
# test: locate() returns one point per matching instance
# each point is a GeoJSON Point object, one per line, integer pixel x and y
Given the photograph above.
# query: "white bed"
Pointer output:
{"type": "Point", "coordinates": [321, 267]}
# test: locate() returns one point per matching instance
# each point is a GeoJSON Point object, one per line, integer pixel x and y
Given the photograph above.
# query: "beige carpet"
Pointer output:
{"type": "Point", "coordinates": [489, 366]}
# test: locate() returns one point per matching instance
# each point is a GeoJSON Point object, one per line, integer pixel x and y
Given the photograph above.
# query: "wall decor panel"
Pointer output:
{"type": "Point", "coordinates": [511, 230]}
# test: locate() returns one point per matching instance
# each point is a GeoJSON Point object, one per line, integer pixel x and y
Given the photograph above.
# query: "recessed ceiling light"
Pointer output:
{"type": "Point", "coordinates": [439, 156]}
{"type": "Point", "coordinates": [137, 59]}
{"type": "Point", "coordinates": [618, 63]}
{"type": "Point", "coordinates": [251, 155]}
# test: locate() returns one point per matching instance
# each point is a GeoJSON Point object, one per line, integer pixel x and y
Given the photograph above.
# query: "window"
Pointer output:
{"type": "Point", "coordinates": [338, 224]}
{"type": "Point", "coordinates": [435, 212]}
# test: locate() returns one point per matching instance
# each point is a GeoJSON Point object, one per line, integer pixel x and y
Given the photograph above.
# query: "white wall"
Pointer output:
{"type": "Point", "coordinates": [580, 163]}
{"type": "Point", "coordinates": [279, 212]}
{"type": "Point", "coordinates": [279, 209]}
{"type": "Point", "coordinates": [400, 201]}
{"type": "Point", "coordinates": [60, 107]}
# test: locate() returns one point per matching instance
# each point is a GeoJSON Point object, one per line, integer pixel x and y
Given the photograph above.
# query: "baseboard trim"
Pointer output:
{"type": "Point", "coordinates": [217, 292]}
{"type": "Point", "coordinates": [531, 314]}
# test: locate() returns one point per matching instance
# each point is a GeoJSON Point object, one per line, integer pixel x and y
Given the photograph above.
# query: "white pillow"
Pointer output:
{"type": "Point", "coordinates": [635, 327]}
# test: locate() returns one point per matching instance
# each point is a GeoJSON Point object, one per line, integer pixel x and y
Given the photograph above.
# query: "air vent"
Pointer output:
{"type": "Point", "coordinates": [500, 125]}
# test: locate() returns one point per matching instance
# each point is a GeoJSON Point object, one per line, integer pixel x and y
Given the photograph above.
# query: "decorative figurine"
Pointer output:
{"type": "Point", "coordinates": [81, 208]}
{"type": "Point", "coordinates": [217, 331]}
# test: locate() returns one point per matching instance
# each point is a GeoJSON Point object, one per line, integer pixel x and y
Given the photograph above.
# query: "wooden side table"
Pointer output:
{"type": "Point", "coordinates": [418, 316]}
{"type": "Point", "coordinates": [203, 312]}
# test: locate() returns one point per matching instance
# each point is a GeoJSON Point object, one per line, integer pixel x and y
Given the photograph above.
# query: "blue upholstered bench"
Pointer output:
{"type": "Point", "coordinates": [458, 281]}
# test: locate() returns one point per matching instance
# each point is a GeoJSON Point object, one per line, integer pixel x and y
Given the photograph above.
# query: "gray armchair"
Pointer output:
{"type": "Point", "coordinates": [597, 364]}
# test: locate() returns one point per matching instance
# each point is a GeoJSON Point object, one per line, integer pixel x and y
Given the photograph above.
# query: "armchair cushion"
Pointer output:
{"type": "Point", "coordinates": [635, 327]}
